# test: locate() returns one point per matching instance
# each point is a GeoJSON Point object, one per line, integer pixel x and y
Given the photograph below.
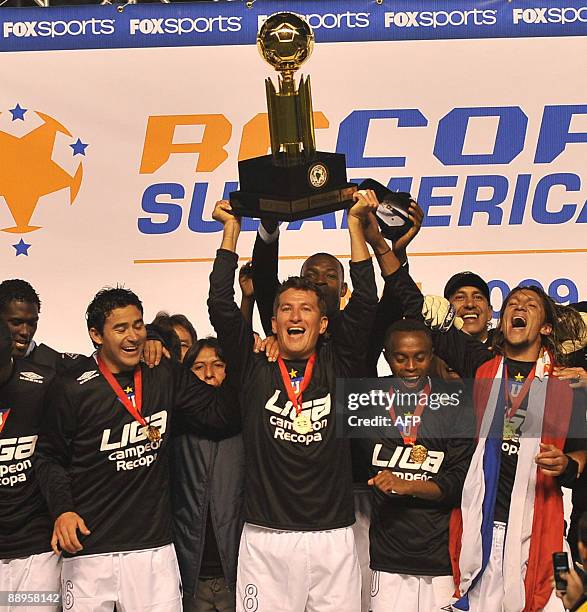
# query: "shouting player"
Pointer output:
{"type": "Point", "coordinates": [103, 463]}
{"type": "Point", "coordinates": [532, 432]}
{"type": "Point", "coordinates": [297, 550]}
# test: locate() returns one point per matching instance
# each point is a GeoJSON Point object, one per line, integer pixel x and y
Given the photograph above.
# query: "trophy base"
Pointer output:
{"type": "Point", "coordinates": [290, 193]}
{"type": "Point", "coordinates": [269, 207]}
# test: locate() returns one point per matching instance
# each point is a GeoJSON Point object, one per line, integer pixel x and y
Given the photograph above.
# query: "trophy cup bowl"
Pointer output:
{"type": "Point", "coordinates": [295, 181]}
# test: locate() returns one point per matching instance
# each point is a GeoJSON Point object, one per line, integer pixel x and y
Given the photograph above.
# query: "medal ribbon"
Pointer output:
{"type": "Point", "coordinates": [514, 403]}
{"type": "Point", "coordinates": [134, 410]}
{"type": "Point", "coordinates": [411, 440]}
{"type": "Point", "coordinates": [3, 418]}
{"type": "Point", "coordinates": [296, 399]}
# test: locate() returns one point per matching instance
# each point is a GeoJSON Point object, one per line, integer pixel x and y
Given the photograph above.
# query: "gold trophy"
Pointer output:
{"type": "Point", "coordinates": [295, 181]}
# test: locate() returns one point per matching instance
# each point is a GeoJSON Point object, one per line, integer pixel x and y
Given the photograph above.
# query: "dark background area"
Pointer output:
{"type": "Point", "coordinates": [29, 3]}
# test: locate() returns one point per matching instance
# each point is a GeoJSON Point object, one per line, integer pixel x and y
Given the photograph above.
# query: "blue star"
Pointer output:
{"type": "Point", "coordinates": [78, 147]}
{"type": "Point", "coordinates": [22, 248]}
{"type": "Point", "coordinates": [18, 112]}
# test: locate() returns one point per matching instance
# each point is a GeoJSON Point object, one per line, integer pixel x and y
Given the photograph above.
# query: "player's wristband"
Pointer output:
{"type": "Point", "coordinates": [568, 477]}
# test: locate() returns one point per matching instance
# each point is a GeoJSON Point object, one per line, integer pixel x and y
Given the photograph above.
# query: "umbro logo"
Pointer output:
{"type": "Point", "coordinates": [86, 376]}
{"type": "Point", "coordinates": [31, 377]}
{"type": "Point", "coordinates": [70, 355]}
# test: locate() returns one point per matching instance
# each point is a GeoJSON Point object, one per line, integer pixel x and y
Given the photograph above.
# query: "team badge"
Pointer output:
{"type": "Point", "coordinates": [318, 175]}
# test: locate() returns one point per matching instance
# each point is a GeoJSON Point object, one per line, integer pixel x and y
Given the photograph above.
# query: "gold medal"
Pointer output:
{"type": "Point", "coordinates": [302, 424]}
{"type": "Point", "coordinates": [509, 430]}
{"type": "Point", "coordinates": [418, 453]}
{"type": "Point", "coordinates": [153, 434]}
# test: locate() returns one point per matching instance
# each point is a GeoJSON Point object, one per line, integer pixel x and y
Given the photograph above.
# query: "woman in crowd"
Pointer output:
{"type": "Point", "coordinates": [207, 498]}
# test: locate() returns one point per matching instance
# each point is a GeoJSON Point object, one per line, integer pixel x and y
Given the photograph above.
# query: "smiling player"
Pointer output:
{"type": "Point", "coordinates": [417, 472]}
{"type": "Point", "coordinates": [102, 462]}
{"type": "Point", "coordinates": [469, 294]}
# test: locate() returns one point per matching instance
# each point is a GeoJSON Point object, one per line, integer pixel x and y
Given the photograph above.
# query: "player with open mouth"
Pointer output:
{"type": "Point", "coordinates": [531, 436]}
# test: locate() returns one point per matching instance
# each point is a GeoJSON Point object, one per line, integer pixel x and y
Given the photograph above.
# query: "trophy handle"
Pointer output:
{"type": "Point", "coordinates": [273, 119]}
{"type": "Point", "coordinates": [306, 116]}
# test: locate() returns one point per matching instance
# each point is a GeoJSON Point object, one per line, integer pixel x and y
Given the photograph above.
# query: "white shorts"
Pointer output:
{"type": "Point", "coordinates": [361, 532]}
{"type": "Point", "coordinates": [488, 593]}
{"type": "Point", "coordinates": [140, 581]}
{"type": "Point", "coordinates": [297, 571]}
{"type": "Point", "coordinates": [406, 593]}
{"type": "Point", "coordinates": [34, 573]}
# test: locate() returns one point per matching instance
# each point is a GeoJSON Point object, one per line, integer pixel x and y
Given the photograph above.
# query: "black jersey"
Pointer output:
{"type": "Point", "coordinates": [409, 535]}
{"type": "Point", "coordinates": [518, 371]}
{"type": "Point", "coordinates": [294, 481]}
{"type": "Point", "coordinates": [46, 356]}
{"type": "Point", "coordinates": [25, 526]}
{"type": "Point", "coordinates": [94, 459]}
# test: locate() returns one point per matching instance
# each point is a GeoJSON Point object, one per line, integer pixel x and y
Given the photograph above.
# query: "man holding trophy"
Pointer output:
{"type": "Point", "coordinates": [296, 182]}
{"type": "Point", "coordinates": [297, 550]}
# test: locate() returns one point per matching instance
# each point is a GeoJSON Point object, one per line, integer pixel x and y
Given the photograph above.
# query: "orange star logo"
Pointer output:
{"type": "Point", "coordinates": [28, 171]}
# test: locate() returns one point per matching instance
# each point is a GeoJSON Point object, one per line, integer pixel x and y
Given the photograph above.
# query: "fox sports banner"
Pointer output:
{"type": "Point", "coordinates": [119, 131]}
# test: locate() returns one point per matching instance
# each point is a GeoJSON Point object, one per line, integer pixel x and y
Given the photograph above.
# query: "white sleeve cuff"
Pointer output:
{"type": "Point", "coordinates": [266, 237]}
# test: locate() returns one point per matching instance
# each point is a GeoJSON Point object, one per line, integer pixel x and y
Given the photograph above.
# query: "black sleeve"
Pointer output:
{"type": "Point", "coordinates": [356, 321]}
{"type": "Point", "coordinates": [235, 335]}
{"type": "Point", "coordinates": [389, 310]}
{"type": "Point", "coordinates": [576, 438]}
{"type": "Point", "coordinates": [211, 412]}
{"type": "Point", "coordinates": [154, 332]}
{"type": "Point", "coordinates": [265, 280]}
{"type": "Point", "coordinates": [53, 452]}
{"type": "Point", "coordinates": [461, 352]}
{"type": "Point", "coordinates": [458, 455]}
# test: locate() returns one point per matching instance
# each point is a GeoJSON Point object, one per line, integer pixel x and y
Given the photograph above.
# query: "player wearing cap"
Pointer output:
{"type": "Point", "coordinates": [469, 294]}
{"type": "Point", "coordinates": [27, 563]}
{"type": "Point", "coordinates": [531, 429]}
{"type": "Point", "coordinates": [297, 549]}
{"type": "Point", "coordinates": [102, 462]}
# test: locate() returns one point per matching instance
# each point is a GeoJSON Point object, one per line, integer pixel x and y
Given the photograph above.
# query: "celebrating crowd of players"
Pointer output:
{"type": "Point", "coordinates": [223, 465]}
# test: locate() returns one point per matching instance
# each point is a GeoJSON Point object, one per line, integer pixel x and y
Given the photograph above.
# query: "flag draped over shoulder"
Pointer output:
{"type": "Point", "coordinates": [536, 521]}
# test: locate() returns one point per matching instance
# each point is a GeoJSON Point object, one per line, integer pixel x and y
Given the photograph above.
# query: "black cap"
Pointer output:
{"type": "Point", "coordinates": [466, 279]}
{"type": "Point", "coordinates": [392, 212]}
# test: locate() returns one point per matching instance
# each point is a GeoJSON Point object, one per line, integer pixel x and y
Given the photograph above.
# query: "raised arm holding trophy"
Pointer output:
{"type": "Point", "coordinates": [295, 181]}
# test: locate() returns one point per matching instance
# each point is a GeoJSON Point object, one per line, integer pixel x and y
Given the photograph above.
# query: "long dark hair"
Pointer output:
{"type": "Point", "coordinates": [564, 324]}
